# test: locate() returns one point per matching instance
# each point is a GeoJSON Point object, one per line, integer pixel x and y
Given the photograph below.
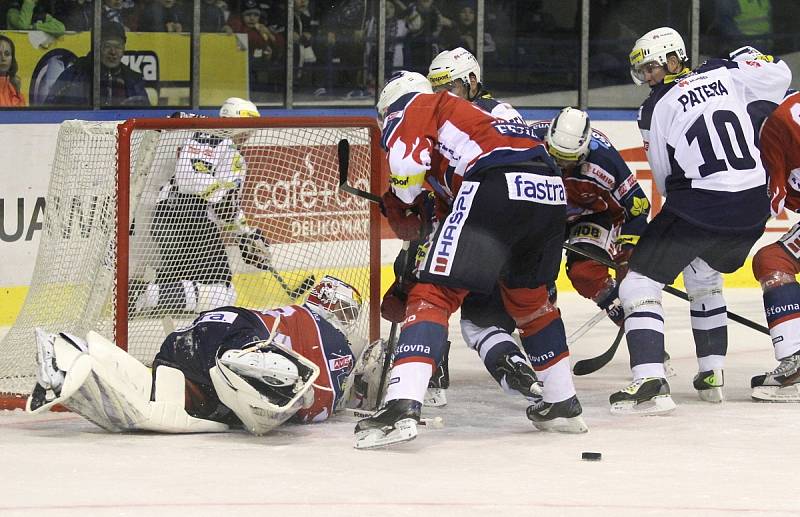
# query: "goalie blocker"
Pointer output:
{"type": "Point", "coordinates": [231, 367]}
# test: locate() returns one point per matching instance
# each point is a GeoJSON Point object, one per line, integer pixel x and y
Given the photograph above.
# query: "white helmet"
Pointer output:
{"type": "Point", "coordinates": [454, 64]}
{"type": "Point", "coordinates": [236, 107]}
{"type": "Point", "coordinates": [654, 47]}
{"type": "Point", "coordinates": [569, 135]}
{"type": "Point", "coordinates": [401, 83]}
{"type": "Point", "coordinates": [335, 300]}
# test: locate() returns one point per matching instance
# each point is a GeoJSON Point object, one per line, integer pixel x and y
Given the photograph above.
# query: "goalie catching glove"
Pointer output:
{"type": "Point", "coordinates": [255, 249]}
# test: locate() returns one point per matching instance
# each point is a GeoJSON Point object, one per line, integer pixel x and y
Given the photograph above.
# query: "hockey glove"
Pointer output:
{"type": "Point", "coordinates": [408, 221]}
{"type": "Point", "coordinates": [393, 305]}
{"type": "Point", "coordinates": [621, 260]}
{"type": "Point", "coordinates": [613, 307]}
{"type": "Point", "coordinates": [255, 249]}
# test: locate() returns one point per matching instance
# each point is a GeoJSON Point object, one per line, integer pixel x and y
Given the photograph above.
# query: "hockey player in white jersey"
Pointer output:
{"type": "Point", "coordinates": [200, 201]}
{"type": "Point", "coordinates": [700, 143]}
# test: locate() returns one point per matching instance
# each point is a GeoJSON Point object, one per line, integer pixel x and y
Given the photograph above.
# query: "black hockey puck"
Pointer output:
{"type": "Point", "coordinates": [591, 456]}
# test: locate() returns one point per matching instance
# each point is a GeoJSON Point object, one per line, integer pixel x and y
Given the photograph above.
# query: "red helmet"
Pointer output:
{"type": "Point", "coordinates": [335, 298]}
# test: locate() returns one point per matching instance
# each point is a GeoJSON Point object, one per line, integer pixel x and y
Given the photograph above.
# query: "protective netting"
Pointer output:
{"type": "Point", "coordinates": [218, 217]}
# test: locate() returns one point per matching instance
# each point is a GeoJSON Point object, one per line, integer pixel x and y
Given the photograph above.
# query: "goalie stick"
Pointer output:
{"type": "Point", "coordinates": [668, 288]}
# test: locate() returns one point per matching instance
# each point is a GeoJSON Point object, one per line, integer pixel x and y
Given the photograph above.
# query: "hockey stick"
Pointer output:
{"type": "Point", "coordinates": [668, 288]}
{"type": "Point", "coordinates": [586, 327]}
{"type": "Point", "coordinates": [344, 164]}
{"type": "Point", "coordinates": [587, 366]}
{"type": "Point", "coordinates": [307, 283]}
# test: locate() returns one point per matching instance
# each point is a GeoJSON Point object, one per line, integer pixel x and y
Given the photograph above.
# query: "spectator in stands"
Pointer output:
{"type": "Point", "coordinates": [305, 28]}
{"type": "Point", "coordinates": [265, 45]}
{"type": "Point", "coordinates": [212, 17]}
{"type": "Point", "coordinates": [119, 85]}
{"type": "Point", "coordinates": [464, 31]}
{"type": "Point", "coordinates": [396, 32]}
{"type": "Point", "coordinates": [29, 15]}
{"type": "Point", "coordinates": [426, 24]}
{"type": "Point", "coordinates": [10, 85]}
{"type": "Point", "coordinates": [116, 11]}
{"type": "Point", "coordinates": [165, 16]}
{"type": "Point", "coordinates": [78, 15]}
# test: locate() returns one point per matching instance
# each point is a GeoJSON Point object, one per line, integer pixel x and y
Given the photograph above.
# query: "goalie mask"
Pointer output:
{"type": "Point", "coordinates": [653, 48]}
{"type": "Point", "coordinates": [452, 65]}
{"type": "Point", "coordinates": [401, 83]}
{"type": "Point", "coordinates": [569, 135]}
{"type": "Point", "coordinates": [264, 387]}
{"type": "Point", "coordinates": [335, 300]}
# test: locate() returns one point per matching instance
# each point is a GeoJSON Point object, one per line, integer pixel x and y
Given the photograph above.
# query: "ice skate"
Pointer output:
{"type": "Point", "coordinates": [781, 384]}
{"type": "Point", "coordinates": [48, 376]}
{"type": "Point", "coordinates": [709, 385]}
{"type": "Point", "coordinates": [394, 423]}
{"type": "Point", "coordinates": [647, 396]}
{"type": "Point", "coordinates": [561, 417]}
{"type": "Point", "coordinates": [518, 375]}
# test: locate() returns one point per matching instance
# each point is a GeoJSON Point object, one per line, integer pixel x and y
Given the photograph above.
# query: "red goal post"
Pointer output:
{"type": "Point", "coordinates": [111, 231]}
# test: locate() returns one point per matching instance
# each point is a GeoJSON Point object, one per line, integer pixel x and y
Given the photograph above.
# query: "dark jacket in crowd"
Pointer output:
{"type": "Point", "coordinates": [118, 87]}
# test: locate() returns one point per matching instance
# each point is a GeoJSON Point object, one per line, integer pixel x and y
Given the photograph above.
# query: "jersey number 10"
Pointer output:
{"type": "Point", "coordinates": [721, 119]}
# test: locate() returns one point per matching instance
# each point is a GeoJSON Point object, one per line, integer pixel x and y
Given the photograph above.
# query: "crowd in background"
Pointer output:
{"type": "Point", "coordinates": [528, 45]}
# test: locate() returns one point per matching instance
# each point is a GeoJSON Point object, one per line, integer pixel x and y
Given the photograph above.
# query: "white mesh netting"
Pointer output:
{"type": "Point", "coordinates": [188, 236]}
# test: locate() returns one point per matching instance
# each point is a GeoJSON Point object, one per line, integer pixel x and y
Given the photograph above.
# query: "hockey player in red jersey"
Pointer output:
{"type": "Point", "coordinates": [506, 209]}
{"type": "Point", "coordinates": [232, 367]}
{"type": "Point", "coordinates": [698, 136]}
{"type": "Point", "coordinates": [775, 266]}
{"type": "Point", "coordinates": [485, 325]}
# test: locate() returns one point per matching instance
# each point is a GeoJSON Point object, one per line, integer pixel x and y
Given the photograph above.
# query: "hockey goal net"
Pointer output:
{"type": "Point", "coordinates": [113, 231]}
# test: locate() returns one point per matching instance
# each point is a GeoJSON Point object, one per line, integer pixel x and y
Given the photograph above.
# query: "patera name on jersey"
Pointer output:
{"type": "Point", "coordinates": [701, 93]}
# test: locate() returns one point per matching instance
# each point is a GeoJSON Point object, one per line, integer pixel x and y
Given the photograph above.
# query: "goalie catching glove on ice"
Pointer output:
{"type": "Point", "coordinates": [232, 367]}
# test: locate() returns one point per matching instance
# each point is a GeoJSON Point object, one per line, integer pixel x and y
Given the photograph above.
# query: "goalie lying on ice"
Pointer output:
{"type": "Point", "coordinates": [231, 367]}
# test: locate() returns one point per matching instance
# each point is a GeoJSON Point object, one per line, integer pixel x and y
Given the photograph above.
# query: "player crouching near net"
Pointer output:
{"type": "Point", "coordinates": [505, 225]}
{"type": "Point", "coordinates": [485, 325]}
{"type": "Point", "coordinates": [231, 367]}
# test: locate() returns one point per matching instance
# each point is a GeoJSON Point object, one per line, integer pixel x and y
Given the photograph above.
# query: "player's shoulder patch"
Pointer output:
{"type": "Point", "coordinates": [598, 174]}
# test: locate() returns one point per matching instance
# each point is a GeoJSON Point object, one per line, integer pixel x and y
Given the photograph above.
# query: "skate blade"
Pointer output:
{"type": "Point", "coordinates": [574, 425]}
{"type": "Point", "coordinates": [777, 393]}
{"type": "Point", "coordinates": [714, 395]}
{"type": "Point", "coordinates": [660, 405]}
{"type": "Point", "coordinates": [435, 397]}
{"type": "Point", "coordinates": [404, 431]}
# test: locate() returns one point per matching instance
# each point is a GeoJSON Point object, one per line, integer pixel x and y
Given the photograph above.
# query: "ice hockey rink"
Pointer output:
{"type": "Point", "coordinates": [736, 458]}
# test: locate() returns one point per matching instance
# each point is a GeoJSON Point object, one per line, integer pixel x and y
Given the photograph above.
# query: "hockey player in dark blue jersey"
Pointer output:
{"type": "Point", "coordinates": [701, 146]}
{"type": "Point", "coordinates": [231, 367]}
{"type": "Point", "coordinates": [607, 209]}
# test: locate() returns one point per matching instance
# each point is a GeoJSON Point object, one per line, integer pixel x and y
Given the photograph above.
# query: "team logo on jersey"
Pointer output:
{"type": "Point", "coordinates": [597, 173]}
{"type": "Point", "coordinates": [218, 317]}
{"type": "Point", "coordinates": [202, 166]}
{"type": "Point", "coordinates": [525, 186]}
{"type": "Point", "coordinates": [447, 240]}
{"type": "Point", "coordinates": [340, 363]}
{"type": "Point", "coordinates": [640, 206]}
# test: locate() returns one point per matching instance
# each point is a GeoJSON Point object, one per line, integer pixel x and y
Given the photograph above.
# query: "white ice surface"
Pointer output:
{"type": "Point", "coordinates": [737, 458]}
